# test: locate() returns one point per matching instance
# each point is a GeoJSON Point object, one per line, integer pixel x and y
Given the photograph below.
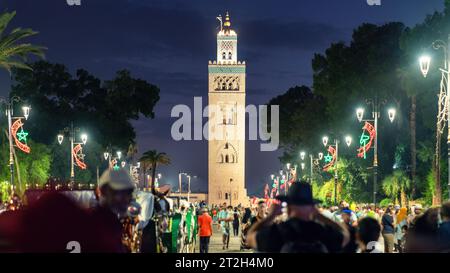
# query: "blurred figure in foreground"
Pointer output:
{"type": "Point", "coordinates": [116, 188]}
{"type": "Point", "coordinates": [444, 227]}
{"type": "Point", "coordinates": [368, 234]}
{"type": "Point", "coordinates": [306, 230]}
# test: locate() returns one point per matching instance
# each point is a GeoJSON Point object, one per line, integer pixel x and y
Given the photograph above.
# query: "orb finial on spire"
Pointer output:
{"type": "Point", "coordinates": [227, 23]}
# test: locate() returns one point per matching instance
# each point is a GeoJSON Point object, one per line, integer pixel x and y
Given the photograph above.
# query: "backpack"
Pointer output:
{"type": "Point", "coordinates": [288, 230]}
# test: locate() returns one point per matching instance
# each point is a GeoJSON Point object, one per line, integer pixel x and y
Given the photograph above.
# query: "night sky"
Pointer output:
{"type": "Point", "coordinates": [169, 43]}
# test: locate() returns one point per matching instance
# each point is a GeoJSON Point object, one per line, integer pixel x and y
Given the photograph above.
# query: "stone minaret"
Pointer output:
{"type": "Point", "coordinates": [226, 125]}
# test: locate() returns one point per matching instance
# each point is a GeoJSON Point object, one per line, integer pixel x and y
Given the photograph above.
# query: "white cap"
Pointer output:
{"type": "Point", "coordinates": [117, 180]}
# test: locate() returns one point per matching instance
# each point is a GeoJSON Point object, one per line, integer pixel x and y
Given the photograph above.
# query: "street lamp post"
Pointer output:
{"type": "Point", "coordinates": [109, 156]}
{"type": "Point", "coordinates": [179, 181]}
{"type": "Point", "coordinates": [72, 131]}
{"type": "Point", "coordinates": [376, 105]}
{"type": "Point", "coordinates": [9, 113]}
{"type": "Point", "coordinates": [348, 141]}
{"type": "Point", "coordinates": [444, 95]}
{"type": "Point", "coordinates": [312, 160]}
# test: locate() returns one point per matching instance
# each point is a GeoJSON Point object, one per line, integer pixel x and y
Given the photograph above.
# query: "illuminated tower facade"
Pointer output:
{"type": "Point", "coordinates": [226, 125]}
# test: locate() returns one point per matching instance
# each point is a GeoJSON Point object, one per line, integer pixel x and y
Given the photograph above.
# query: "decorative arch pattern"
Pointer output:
{"type": "Point", "coordinates": [227, 154]}
{"type": "Point", "coordinates": [226, 83]}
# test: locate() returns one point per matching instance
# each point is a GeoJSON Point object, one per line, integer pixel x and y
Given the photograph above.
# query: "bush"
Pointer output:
{"type": "Point", "coordinates": [385, 202]}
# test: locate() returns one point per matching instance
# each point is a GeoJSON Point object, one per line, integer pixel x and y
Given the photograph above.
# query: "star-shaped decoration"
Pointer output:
{"type": "Point", "coordinates": [81, 156]}
{"type": "Point", "coordinates": [22, 135]}
{"type": "Point", "coordinates": [116, 167]}
{"type": "Point", "coordinates": [328, 158]}
{"type": "Point", "coordinates": [364, 139]}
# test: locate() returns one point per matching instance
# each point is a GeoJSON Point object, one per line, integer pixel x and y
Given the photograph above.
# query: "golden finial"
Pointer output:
{"type": "Point", "coordinates": [227, 20]}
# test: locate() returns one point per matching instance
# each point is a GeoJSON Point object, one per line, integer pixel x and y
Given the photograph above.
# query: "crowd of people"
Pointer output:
{"type": "Point", "coordinates": [297, 223]}
{"type": "Point", "coordinates": [293, 223]}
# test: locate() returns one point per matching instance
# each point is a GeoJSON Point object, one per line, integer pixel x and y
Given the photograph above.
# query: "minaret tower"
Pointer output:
{"type": "Point", "coordinates": [226, 97]}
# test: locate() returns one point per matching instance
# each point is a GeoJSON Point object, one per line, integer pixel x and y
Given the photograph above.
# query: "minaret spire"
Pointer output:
{"type": "Point", "coordinates": [227, 23]}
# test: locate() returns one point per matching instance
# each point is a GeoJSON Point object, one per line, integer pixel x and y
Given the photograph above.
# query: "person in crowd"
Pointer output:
{"type": "Point", "coordinates": [261, 212]}
{"type": "Point", "coordinates": [401, 222]}
{"type": "Point", "coordinates": [387, 222]}
{"type": "Point", "coordinates": [214, 214]}
{"type": "Point", "coordinates": [416, 211]}
{"type": "Point", "coordinates": [205, 230]}
{"type": "Point", "coordinates": [337, 215]}
{"type": "Point", "coordinates": [325, 211]}
{"type": "Point", "coordinates": [368, 234]}
{"type": "Point", "coordinates": [422, 235]}
{"type": "Point", "coordinates": [346, 216]}
{"type": "Point", "coordinates": [245, 226]}
{"type": "Point", "coordinates": [225, 217]}
{"type": "Point", "coordinates": [371, 212]}
{"type": "Point", "coordinates": [236, 216]}
{"type": "Point", "coordinates": [54, 224]}
{"type": "Point", "coordinates": [305, 231]}
{"type": "Point", "coordinates": [116, 188]}
{"type": "Point", "coordinates": [444, 227]}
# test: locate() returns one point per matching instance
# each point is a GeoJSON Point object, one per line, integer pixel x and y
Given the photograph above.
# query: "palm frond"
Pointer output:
{"type": "Point", "coordinates": [5, 18]}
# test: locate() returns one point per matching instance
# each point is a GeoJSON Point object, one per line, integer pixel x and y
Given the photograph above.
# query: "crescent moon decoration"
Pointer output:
{"type": "Point", "coordinates": [330, 158]}
{"type": "Point", "coordinates": [78, 156]}
{"type": "Point", "coordinates": [366, 140]}
{"type": "Point", "coordinates": [20, 136]}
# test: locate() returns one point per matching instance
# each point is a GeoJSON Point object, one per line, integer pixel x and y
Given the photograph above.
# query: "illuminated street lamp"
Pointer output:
{"type": "Point", "coordinates": [376, 105]}
{"type": "Point", "coordinates": [391, 114]}
{"type": "Point", "coordinates": [320, 156]}
{"type": "Point", "coordinates": [325, 141]}
{"type": "Point", "coordinates": [9, 103]}
{"type": "Point", "coordinates": [360, 114]}
{"type": "Point", "coordinates": [443, 101]}
{"type": "Point", "coordinates": [71, 131]}
{"type": "Point", "coordinates": [26, 111]}
{"type": "Point", "coordinates": [348, 141]}
{"type": "Point", "coordinates": [302, 155]}
{"type": "Point", "coordinates": [425, 62]}
{"type": "Point", "coordinates": [60, 138]}
{"type": "Point", "coordinates": [113, 161]}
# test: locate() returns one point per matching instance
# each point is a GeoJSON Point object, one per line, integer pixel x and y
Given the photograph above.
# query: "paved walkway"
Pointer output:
{"type": "Point", "coordinates": [215, 244]}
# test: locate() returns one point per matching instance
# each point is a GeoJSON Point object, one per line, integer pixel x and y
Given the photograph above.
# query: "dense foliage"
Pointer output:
{"type": "Point", "coordinates": [380, 62]}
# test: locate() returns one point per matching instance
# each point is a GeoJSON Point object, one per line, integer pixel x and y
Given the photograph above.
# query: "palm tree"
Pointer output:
{"type": "Point", "coordinates": [12, 53]}
{"type": "Point", "coordinates": [396, 185]}
{"type": "Point", "coordinates": [150, 160]}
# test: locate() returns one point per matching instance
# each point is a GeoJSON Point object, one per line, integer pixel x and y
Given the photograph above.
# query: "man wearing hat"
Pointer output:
{"type": "Point", "coordinates": [116, 191]}
{"type": "Point", "coordinates": [306, 229]}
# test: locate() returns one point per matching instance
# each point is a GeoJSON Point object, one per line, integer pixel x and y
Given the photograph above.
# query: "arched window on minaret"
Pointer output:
{"type": "Point", "coordinates": [230, 86]}
{"type": "Point", "coordinates": [224, 86]}
{"type": "Point", "coordinates": [233, 160]}
{"type": "Point", "coordinates": [229, 55]}
{"type": "Point", "coordinates": [220, 158]}
{"type": "Point", "coordinates": [224, 55]}
{"type": "Point", "coordinates": [227, 159]}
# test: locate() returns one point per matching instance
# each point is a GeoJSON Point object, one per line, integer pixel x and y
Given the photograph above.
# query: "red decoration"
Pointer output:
{"type": "Point", "coordinates": [367, 144]}
{"type": "Point", "coordinates": [332, 151]}
{"type": "Point", "coordinates": [266, 191]}
{"type": "Point", "coordinates": [77, 155]}
{"type": "Point", "coordinates": [14, 128]}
